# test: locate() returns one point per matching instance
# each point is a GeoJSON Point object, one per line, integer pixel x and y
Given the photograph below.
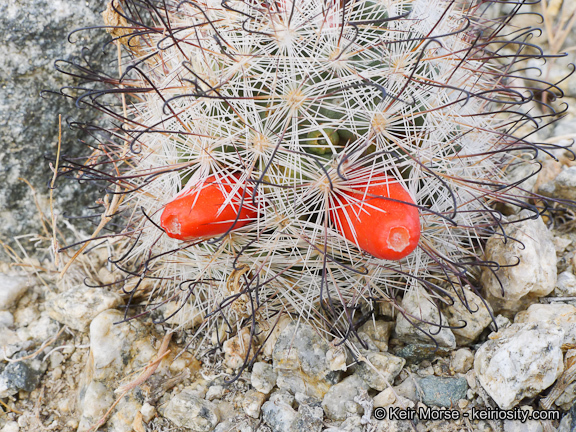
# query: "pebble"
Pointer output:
{"type": "Point", "coordinates": [282, 396]}
{"type": "Point", "coordinates": [252, 402]}
{"type": "Point", "coordinates": [441, 391]}
{"type": "Point", "coordinates": [78, 306]}
{"type": "Point", "coordinates": [116, 351]}
{"type": "Point", "coordinates": [476, 317]}
{"type": "Point", "coordinates": [417, 304]}
{"type": "Point", "coordinates": [563, 186]}
{"type": "Point", "coordinates": [365, 342]}
{"type": "Point", "coordinates": [236, 424]}
{"type": "Point", "coordinates": [40, 329]}
{"type": "Point", "coordinates": [352, 424]}
{"type": "Point", "coordinates": [417, 353]}
{"type": "Point", "coordinates": [408, 389]}
{"type": "Point", "coordinates": [519, 361]}
{"type": "Point", "coordinates": [10, 426]}
{"type": "Point", "coordinates": [462, 360]}
{"type": "Point", "coordinates": [334, 402]}
{"type": "Point", "coordinates": [384, 398]}
{"type": "Point", "coordinates": [263, 377]}
{"type": "Point", "coordinates": [12, 287]}
{"type": "Point", "coordinates": [337, 358]}
{"type": "Point", "coordinates": [568, 422]}
{"type": "Point", "coordinates": [215, 392]}
{"type": "Point", "coordinates": [237, 348]}
{"type": "Point", "coordinates": [271, 335]}
{"type": "Point", "coordinates": [189, 411]}
{"type": "Point", "coordinates": [566, 285]}
{"type": "Point", "coordinates": [379, 369]}
{"type": "Point", "coordinates": [6, 319]}
{"type": "Point", "coordinates": [299, 359]}
{"type": "Point", "coordinates": [56, 359]}
{"type": "Point", "coordinates": [278, 415]}
{"type": "Point", "coordinates": [528, 265]}
{"type": "Point", "coordinates": [379, 332]}
{"type": "Point", "coordinates": [24, 375]}
{"type": "Point", "coordinates": [148, 412]}
{"type": "Point", "coordinates": [561, 315]}
{"type": "Point", "coordinates": [309, 419]}
{"type": "Point", "coordinates": [527, 426]}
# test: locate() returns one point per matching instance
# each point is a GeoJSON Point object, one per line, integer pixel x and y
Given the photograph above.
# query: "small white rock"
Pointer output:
{"type": "Point", "coordinates": [528, 264]}
{"type": "Point", "coordinates": [384, 398]}
{"type": "Point", "coordinates": [379, 332]}
{"type": "Point", "coordinates": [417, 304]}
{"type": "Point", "coordinates": [236, 349]}
{"type": "Point", "coordinates": [252, 403]}
{"type": "Point", "coordinates": [263, 377]}
{"type": "Point", "coordinates": [562, 315]}
{"type": "Point", "coordinates": [475, 314]}
{"type": "Point", "coordinates": [78, 306]}
{"type": "Point", "coordinates": [10, 426]}
{"type": "Point", "coordinates": [12, 287]}
{"type": "Point", "coordinates": [520, 362]}
{"type": "Point", "coordinates": [148, 412]}
{"type": "Point", "coordinates": [336, 358]}
{"type": "Point", "coordinates": [566, 285]}
{"type": "Point", "coordinates": [215, 392]}
{"type": "Point", "coordinates": [56, 359]}
{"type": "Point", "coordinates": [188, 411]}
{"type": "Point", "coordinates": [462, 360]}
{"type": "Point", "coordinates": [6, 319]}
{"type": "Point", "coordinates": [340, 397]}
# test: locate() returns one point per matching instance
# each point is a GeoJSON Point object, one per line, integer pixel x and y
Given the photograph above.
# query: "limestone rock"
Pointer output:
{"type": "Point", "coordinates": [300, 361]}
{"type": "Point", "coordinates": [116, 351]}
{"type": "Point", "coordinates": [563, 186]}
{"type": "Point", "coordinates": [520, 361]}
{"type": "Point", "coordinates": [278, 415]}
{"type": "Point", "coordinates": [12, 287]}
{"type": "Point", "coordinates": [528, 265]}
{"type": "Point", "coordinates": [78, 306]}
{"type": "Point", "coordinates": [566, 285]}
{"type": "Point", "coordinates": [379, 369]}
{"type": "Point", "coordinates": [336, 400]}
{"type": "Point", "coordinates": [474, 314]}
{"type": "Point", "coordinates": [418, 305]}
{"type": "Point", "coordinates": [561, 315]}
{"type": "Point", "coordinates": [379, 332]}
{"type": "Point", "coordinates": [263, 377]}
{"type": "Point", "coordinates": [252, 402]}
{"type": "Point", "coordinates": [189, 411]}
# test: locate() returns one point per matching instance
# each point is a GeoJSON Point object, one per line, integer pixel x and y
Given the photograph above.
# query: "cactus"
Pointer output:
{"type": "Point", "coordinates": [347, 151]}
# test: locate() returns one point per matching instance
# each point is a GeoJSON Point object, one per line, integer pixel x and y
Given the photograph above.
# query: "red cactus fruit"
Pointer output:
{"type": "Point", "coordinates": [384, 228]}
{"type": "Point", "coordinates": [201, 212]}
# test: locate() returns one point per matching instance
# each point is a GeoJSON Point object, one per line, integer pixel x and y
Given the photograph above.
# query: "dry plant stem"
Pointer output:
{"type": "Point", "coordinates": [55, 169]}
{"type": "Point", "coordinates": [147, 373]}
{"type": "Point", "coordinates": [110, 208]}
{"type": "Point", "coordinates": [564, 381]}
{"type": "Point", "coordinates": [38, 351]}
{"type": "Point", "coordinates": [10, 408]}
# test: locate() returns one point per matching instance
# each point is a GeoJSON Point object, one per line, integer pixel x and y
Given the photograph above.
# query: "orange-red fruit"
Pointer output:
{"type": "Point", "coordinates": [200, 212]}
{"type": "Point", "coordinates": [386, 229]}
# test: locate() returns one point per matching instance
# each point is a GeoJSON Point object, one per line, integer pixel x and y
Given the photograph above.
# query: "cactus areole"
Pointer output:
{"type": "Point", "coordinates": [381, 218]}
